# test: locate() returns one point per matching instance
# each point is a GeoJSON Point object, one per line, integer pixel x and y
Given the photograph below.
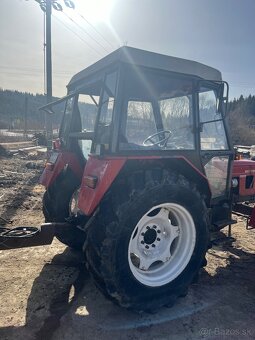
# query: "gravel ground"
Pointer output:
{"type": "Point", "coordinates": [46, 292]}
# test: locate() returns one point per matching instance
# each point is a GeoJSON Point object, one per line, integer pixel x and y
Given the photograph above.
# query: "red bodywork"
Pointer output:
{"type": "Point", "coordinates": [102, 170]}
{"type": "Point", "coordinates": [105, 170]}
{"type": "Point", "coordinates": [251, 220]}
{"type": "Point", "coordinates": [53, 169]}
{"type": "Point", "coordinates": [246, 189]}
{"type": "Point", "coordinates": [242, 169]}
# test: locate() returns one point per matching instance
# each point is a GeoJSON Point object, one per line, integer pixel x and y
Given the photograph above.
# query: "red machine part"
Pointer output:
{"type": "Point", "coordinates": [100, 173]}
{"type": "Point", "coordinates": [56, 163]}
{"type": "Point", "coordinates": [104, 171]}
{"type": "Point", "coordinates": [251, 220]}
{"type": "Point", "coordinates": [242, 169]}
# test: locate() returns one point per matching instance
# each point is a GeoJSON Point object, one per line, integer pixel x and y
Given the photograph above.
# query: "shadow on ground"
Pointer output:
{"type": "Point", "coordinates": [21, 194]}
{"type": "Point", "coordinates": [64, 303]}
{"type": "Point", "coordinates": [53, 293]}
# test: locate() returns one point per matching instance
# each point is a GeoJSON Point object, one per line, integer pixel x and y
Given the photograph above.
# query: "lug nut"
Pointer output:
{"type": "Point", "coordinates": [155, 227]}
{"type": "Point", "coordinates": [153, 245]}
{"type": "Point", "coordinates": [147, 247]}
{"type": "Point", "coordinates": [142, 242]}
{"type": "Point", "coordinates": [158, 239]}
{"type": "Point", "coordinates": [142, 234]}
{"type": "Point", "coordinates": [148, 227]}
{"type": "Point", "coordinates": [158, 231]}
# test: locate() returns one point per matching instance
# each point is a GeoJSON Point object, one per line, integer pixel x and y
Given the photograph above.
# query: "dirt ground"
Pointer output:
{"type": "Point", "coordinates": [46, 292]}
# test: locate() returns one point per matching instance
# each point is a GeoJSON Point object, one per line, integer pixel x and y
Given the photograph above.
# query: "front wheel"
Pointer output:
{"type": "Point", "coordinates": [153, 246]}
{"type": "Point", "coordinates": [59, 204]}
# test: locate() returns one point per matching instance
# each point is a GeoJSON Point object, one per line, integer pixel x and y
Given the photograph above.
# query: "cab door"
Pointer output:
{"type": "Point", "coordinates": [215, 148]}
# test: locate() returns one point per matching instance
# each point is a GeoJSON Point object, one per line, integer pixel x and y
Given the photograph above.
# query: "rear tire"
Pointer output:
{"type": "Point", "coordinates": [56, 208]}
{"type": "Point", "coordinates": [130, 263]}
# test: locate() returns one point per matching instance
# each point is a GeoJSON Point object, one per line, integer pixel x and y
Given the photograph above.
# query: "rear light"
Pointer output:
{"type": "Point", "coordinates": [51, 160]}
{"type": "Point", "coordinates": [56, 144]}
{"type": "Point", "coordinates": [90, 181]}
{"type": "Point", "coordinates": [49, 166]}
{"type": "Point", "coordinates": [238, 157]}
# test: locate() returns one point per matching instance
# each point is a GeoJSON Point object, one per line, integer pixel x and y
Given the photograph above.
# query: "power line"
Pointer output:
{"type": "Point", "coordinates": [31, 75]}
{"type": "Point", "coordinates": [88, 34]}
{"type": "Point", "coordinates": [15, 69]}
{"type": "Point", "coordinates": [24, 68]}
{"type": "Point", "coordinates": [60, 21]}
{"type": "Point", "coordinates": [89, 23]}
{"type": "Point", "coordinates": [40, 70]}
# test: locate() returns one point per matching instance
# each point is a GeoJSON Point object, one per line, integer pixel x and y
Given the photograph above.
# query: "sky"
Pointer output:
{"type": "Point", "coordinates": [219, 33]}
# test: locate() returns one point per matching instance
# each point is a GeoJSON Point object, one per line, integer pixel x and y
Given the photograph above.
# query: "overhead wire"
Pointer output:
{"type": "Point", "coordinates": [31, 75]}
{"type": "Point", "coordinates": [13, 71]}
{"type": "Point", "coordinates": [77, 35]}
{"type": "Point", "coordinates": [60, 9]}
{"type": "Point", "coordinates": [94, 28]}
{"type": "Point", "coordinates": [87, 33]}
{"type": "Point", "coordinates": [25, 68]}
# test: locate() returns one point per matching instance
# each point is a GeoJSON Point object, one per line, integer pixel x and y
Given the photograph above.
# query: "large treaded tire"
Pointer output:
{"type": "Point", "coordinates": [56, 201]}
{"type": "Point", "coordinates": [108, 241]}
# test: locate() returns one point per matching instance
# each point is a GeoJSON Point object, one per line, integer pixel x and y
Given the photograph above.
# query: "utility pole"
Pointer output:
{"type": "Point", "coordinates": [25, 116]}
{"type": "Point", "coordinates": [46, 7]}
{"type": "Point", "coordinates": [49, 132]}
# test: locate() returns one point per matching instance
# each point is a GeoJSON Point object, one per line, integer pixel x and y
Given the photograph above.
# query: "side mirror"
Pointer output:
{"type": "Point", "coordinates": [222, 101]}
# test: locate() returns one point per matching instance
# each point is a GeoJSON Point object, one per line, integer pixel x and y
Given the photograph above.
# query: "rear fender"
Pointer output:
{"type": "Point", "coordinates": [105, 170]}
{"type": "Point", "coordinates": [183, 166]}
{"type": "Point", "coordinates": [53, 169]}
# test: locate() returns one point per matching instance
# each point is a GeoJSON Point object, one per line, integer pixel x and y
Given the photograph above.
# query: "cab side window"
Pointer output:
{"type": "Point", "coordinates": [212, 136]}
{"type": "Point", "coordinates": [140, 121]}
{"type": "Point", "coordinates": [104, 129]}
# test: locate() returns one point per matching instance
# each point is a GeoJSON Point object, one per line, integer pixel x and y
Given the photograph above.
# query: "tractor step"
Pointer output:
{"type": "Point", "coordinates": [223, 223]}
{"type": "Point", "coordinates": [223, 241]}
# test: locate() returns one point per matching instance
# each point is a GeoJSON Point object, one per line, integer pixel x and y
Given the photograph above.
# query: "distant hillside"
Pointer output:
{"type": "Point", "coordinates": [12, 110]}
{"type": "Point", "coordinates": [241, 114]}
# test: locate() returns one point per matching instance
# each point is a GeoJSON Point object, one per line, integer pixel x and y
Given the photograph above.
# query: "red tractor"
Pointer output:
{"type": "Point", "coordinates": [141, 173]}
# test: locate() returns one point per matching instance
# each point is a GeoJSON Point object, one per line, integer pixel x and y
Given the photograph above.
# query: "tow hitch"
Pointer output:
{"type": "Point", "coordinates": [21, 237]}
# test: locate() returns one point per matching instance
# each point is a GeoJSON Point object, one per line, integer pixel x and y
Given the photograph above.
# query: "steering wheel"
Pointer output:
{"type": "Point", "coordinates": [161, 142]}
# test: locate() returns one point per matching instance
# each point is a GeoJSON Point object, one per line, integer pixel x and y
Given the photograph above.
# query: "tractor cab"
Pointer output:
{"type": "Point", "coordinates": [136, 106]}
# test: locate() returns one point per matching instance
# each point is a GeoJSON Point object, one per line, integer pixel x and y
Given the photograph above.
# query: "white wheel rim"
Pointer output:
{"type": "Point", "coordinates": [161, 244]}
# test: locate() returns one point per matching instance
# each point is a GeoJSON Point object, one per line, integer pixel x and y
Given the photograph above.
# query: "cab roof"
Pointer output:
{"type": "Point", "coordinates": [138, 57]}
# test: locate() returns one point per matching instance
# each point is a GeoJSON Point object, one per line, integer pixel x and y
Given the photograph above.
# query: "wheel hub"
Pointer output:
{"type": "Point", "coordinates": [149, 237]}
